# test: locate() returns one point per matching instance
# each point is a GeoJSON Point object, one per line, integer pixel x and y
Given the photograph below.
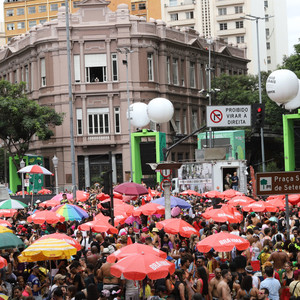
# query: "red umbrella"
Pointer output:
{"type": "Point", "coordinates": [131, 189]}
{"type": "Point", "coordinates": [260, 206]}
{"type": "Point", "coordinates": [7, 212]}
{"type": "Point", "coordinates": [20, 193]}
{"type": "Point", "coordinates": [190, 192]}
{"type": "Point", "coordinates": [149, 209]}
{"type": "Point", "coordinates": [82, 196]}
{"type": "Point", "coordinates": [224, 214]}
{"type": "Point", "coordinates": [175, 226]}
{"type": "Point", "coordinates": [240, 200]}
{"type": "Point", "coordinates": [98, 226]}
{"type": "Point", "coordinates": [228, 194]}
{"type": "Point", "coordinates": [101, 216]}
{"type": "Point", "coordinates": [134, 249]}
{"type": "Point", "coordinates": [64, 237]}
{"type": "Point", "coordinates": [5, 223]}
{"type": "Point", "coordinates": [137, 267]}
{"type": "Point", "coordinates": [222, 242]}
{"type": "Point", "coordinates": [50, 217]}
{"type": "Point", "coordinates": [294, 199]}
{"type": "Point", "coordinates": [3, 262]}
{"type": "Point", "coordinates": [213, 194]}
{"type": "Point", "coordinates": [44, 192]}
{"type": "Point", "coordinates": [277, 203]}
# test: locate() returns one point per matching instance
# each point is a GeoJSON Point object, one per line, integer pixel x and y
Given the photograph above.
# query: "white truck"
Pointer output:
{"type": "Point", "coordinates": [203, 176]}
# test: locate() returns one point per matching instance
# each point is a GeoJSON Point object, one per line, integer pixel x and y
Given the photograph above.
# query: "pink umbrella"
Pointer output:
{"type": "Point", "coordinates": [175, 211]}
{"type": "Point", "coordinates": [55, 201]}
{"type": "Point", "coordinates": [131, 189]}
{"type": "Point", "coordinates": [3, 262]}
{"type": "Point", "coordinates": [213, 194]}
{"type": "Point", "coordinates": [149, 209]}
{"type": "Point", "coordinates": [5, 223]}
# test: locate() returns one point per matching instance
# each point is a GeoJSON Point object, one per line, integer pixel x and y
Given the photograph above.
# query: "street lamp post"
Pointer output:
{"type": "Point", "coordinates": [127, 50]}
{"type": "Point", "coordinates": [255, 18]}
{"type": "Point", "coordinates": [22, 165]}
{"type": "Point", "coordinates": [55, 163]}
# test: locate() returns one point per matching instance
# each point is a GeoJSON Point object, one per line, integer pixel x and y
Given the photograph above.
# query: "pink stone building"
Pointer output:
{"type": "Point", "coordinates": [164, 62]}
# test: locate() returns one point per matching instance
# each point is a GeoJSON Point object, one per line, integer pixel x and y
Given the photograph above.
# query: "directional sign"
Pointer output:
{"type": "Point", "coordinates": [278, 183]}
{"type": "Point", "coordinates": [228, 116]}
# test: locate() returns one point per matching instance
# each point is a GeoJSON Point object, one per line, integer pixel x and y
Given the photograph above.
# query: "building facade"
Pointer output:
{"type": "Point", "coordinates": [163, 62]}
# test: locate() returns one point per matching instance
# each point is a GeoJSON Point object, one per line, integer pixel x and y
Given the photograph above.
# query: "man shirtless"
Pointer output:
{"type": "Point", "coordinates": [213, 284]}
{"type": "Point", "coordinates": [278, 257]}
{"type": "Point", "coordinates": [94, 256]}
{"type": "Point", "coordinates": [223, 289]}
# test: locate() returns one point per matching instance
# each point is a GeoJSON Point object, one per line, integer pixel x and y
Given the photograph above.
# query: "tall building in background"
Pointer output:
{"type": "Point", "coordinates": [224, 19]}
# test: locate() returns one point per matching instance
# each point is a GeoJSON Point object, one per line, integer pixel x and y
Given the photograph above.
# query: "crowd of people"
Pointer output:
{"type": "Point", "coordinates": [268, 269]}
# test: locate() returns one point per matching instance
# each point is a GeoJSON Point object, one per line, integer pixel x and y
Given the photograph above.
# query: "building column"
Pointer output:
{"type": "Point", "coordinates": [114, 168]}
{"type": "Point", "coordinates": [87, 178]}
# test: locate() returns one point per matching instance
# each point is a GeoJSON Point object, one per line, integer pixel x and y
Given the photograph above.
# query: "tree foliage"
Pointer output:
{"type": "Point", "coordinates": [243, 90]}
{"type": "Point", "coordinates": [21, 118]}
{"type": "Point", "coordinates": [292, 62]}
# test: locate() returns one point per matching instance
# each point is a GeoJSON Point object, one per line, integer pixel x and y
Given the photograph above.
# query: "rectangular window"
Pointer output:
{"type": "Point", "coordinates": [54, 7]}
{"type": "Point", "coordinates": [184, 122]}
{"type": "Point", "coordinates": [77, 68]}
{"type": "Point", "coordinates": [269, 59]}
{"type": "Point", "coordinates": [21, 25]}
{"type": "Point", "coordinates": [117, 120]}
{"type": "Point", "coordinates": [239, 24]}
{"type": "Point", "coordinates": [177, 120]}
{"type": "Point", "coordinates": [31, 10]}
{"type": "Point", "coordinates": [142, 6]}
{"type": "Point", "coordinates": [79, 121]}
{"type": "Point", "coordinates": [10, 26]}
{"type": "Point", "coordinates": [267, 18]}
{"type": "Point", "coordinates": [172, 2]}
{"type": "Point", "coordinates": [168, 70]}
{"type": "Point", "coordinates": [10, 13]}
{"type": "Point", "coordinates": [175, 71]}
{"type": "Point", "coordinates": [238, 9]}
{"type": "Point", "coordinates": [268, 46]}
{"type": "Point", "coordinates": [42, 8]}
{"type": "Point", "coordinates": [43, 21]}
{"type": "Point", "coordinates": [182, 72]}
{"type": "Point", "coordinates": [31, 23]}
{"type": "Point", "coordinates": [194, 120]}
{"type": "Point", "coordinates": [223, 26]}
{"type": "Point", "coordinates": [27, 77]}
{"type": "Point", "coordinates": [75, 4]}
{"type": "Point", "coordinates": [192, 74]}
{"type": "Point", "coordinates": [20, 11]}
{"type": "Point", "coordinates": [63, 5]}
{"type": "Point", "coordinates": [174, 17]}
{"type": "Point", "coordinates": [150, 66]}
{"type": "Point", "coordinates": [189, 15]}
{"type": "Point", "coordinates": [98, 120]}
{"type": "Point", "coordinates": [43, 72]}
{"type": "Point", "coordinates": [266, 4]}
{"type": "Point", "coordinates": [240, 39]}
{"type": "Point", "coordinates": [95, 67]}
{"type": "Point", "coordinates": [132, 7]}
{"type": "Point", "coordinates": [267, 31]}
{"type": "Point", "coordinates": [114, 65]}
{"type": "Point", "coordinates": [222, 11]}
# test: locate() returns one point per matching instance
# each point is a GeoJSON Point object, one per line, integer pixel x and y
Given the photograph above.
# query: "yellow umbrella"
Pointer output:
{"type": "Point", "coordinates": [47, 249]}
{"type": "Point", "coordinates": [4, 229]}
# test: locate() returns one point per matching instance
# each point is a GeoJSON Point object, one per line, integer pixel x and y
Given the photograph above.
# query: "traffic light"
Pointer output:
{"type": "Point", "coordinates": [258, 115]}
{"type": "Point", "coordinates": [106, 182]}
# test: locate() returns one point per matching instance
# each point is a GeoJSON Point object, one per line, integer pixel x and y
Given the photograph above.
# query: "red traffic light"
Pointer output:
{"type": "Point", "coordinates": [259, 109]}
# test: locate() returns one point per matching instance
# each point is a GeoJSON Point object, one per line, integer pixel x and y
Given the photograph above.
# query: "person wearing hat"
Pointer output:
{"type": "Point", "coordinates": [58, 280]}
{"type": "Point", "coordinates": [295, 285]}
{"type": "Point", "coordinates": [34, 281]}
{"type": "Point", "coordinates": [255, 279]}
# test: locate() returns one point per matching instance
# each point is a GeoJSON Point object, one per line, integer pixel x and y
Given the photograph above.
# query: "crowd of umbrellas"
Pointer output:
{"type": "Point", "coordinates": [134, 261]}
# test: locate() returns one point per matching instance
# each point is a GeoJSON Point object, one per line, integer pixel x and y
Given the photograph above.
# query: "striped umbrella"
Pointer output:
{"type": "Point", "coordinates": [4, 229]}
{"type": "Point", "coordinates": [48, 249]}
{"type": "Point", "coordinates": [71, 212]}
{"type": "Point", "coordinates": [12, 204]}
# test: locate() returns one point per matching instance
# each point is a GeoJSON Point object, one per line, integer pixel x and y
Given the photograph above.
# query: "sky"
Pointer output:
{"type": "Point", "coordinates": [293, 17]}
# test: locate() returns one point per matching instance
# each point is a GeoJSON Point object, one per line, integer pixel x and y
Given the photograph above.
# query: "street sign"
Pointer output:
{"type": "Point", "coordinates": [228, 116]}
{"type": "Point", "coordinates": [277, 183]}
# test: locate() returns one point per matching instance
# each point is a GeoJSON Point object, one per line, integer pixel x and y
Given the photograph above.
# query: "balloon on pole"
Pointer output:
{"type": "Point", "coordinates": [138, 114]}
{"type": "Point", "coordinates": [160, 110]}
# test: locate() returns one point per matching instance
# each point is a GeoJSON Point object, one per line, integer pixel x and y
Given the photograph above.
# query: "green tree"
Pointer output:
{"type": "Point", "coordinates": [21, 118]}
{"type": "Point", "coordinates": [292, 62]}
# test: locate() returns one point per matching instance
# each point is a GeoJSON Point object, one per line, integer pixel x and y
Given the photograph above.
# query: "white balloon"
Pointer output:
{"type": "Point", "coordinates": [160, 110]}
{"type": "Point", "coordinates": [138, 114]}
{"type": "Point", "coordinates": [294, 103]}
{"type": "Point", "coordinates": [282, 86]}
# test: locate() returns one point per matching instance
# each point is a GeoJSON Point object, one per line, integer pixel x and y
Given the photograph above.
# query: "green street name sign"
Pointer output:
{"type": "Point", "coordinates": [277, 183]}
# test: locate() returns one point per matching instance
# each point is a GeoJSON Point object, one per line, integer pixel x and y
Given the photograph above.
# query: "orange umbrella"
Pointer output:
{"type": "Point", "coordinates": [277, 203]}
{"type": "Point", "coordinates": [212, 194]}
{"type": "Point", "coordinates": [7, 212]}
{"type": "Point", "coordinates": [189, 193]}
{"type": "Point", "coordinates": [228, 194]}
{"type": "Point", "coordinates": [175, 226]}
{"type": "Point", "coordinates": [64, 237]}
{"type": "Point", "coordinates": [224, 214]}
{"type": "Point", "coordinates": [260, 206]}
{"type": "Point", "coordinates": [4, 223]}
{"type": "Point", "coordinates": [149, 209]}
{"type": "Point", "coordinates": [50, 217]}
{"type": "Point", "coordinates": [134, 249]}
{"type": "Point", "coordinates": [137, 267]}
{"type": "Point", "coordinates": [222, 242]}
{"type": "Point", "coordinates": [98, 226]}
{"type": "Point", "coordinates": [20, 193]}
{"type": "Point", "coordinates": [240, 200]}
{"type": "Point", "coordinates": [44, 192]}
{"type": "Point", "coordinates": [82, 196]}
